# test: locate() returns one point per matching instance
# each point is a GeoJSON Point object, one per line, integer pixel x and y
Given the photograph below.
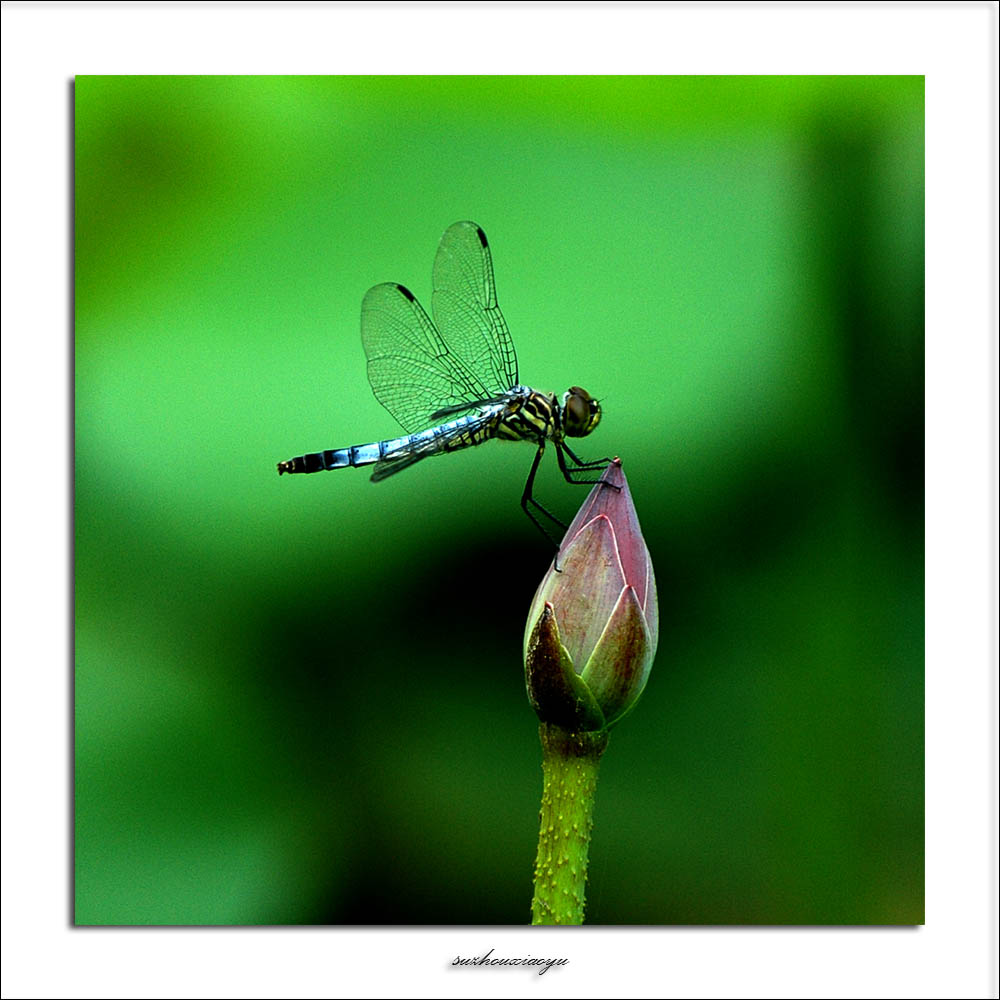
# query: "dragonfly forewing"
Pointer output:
{"type": "Point", "coordinates": [466, 310]}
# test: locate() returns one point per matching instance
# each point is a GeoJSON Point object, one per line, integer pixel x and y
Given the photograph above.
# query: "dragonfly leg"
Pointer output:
{"type": "Point", "coordinates": [528, 501]}
{"type": "Point", "coordinates": [597, 463]}
{"type": "Point", "coordinates": [581, 469]}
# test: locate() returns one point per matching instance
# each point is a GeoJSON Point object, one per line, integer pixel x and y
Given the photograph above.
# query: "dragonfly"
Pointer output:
{"type": "Point", "coordinates": [453, 383]}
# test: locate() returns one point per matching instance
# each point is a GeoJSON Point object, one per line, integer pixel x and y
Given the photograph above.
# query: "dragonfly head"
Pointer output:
{"type": "Point", "coordinates": [581, 413]}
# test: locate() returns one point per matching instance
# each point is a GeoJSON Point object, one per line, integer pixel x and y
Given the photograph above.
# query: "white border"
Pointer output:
{"type": "Point", "coordinates": [955, 45]}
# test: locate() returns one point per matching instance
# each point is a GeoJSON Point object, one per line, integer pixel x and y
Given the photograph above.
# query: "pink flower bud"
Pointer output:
{"type": "Point", "coordinates": [593, 625]}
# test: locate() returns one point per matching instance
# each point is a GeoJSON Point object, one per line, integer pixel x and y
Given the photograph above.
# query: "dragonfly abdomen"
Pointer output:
{"type": "Point", "coordinates": [398, 453]}
{"type": "Point", "coordinates": [335, 458]}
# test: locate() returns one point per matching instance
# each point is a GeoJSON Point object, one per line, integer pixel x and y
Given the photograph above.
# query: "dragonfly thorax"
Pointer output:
{"type": "Point", "coordinates": [581, 413]}
{"type": "Point", "coordinates": [529, 415]}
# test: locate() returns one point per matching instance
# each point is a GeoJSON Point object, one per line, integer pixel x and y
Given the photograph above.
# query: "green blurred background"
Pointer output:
{"type": "Point", "coordinates": [301, 700]}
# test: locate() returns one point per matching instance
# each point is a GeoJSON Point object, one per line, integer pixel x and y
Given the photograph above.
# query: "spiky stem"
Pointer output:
{"type": "Point", "coordinates": [569, 768]}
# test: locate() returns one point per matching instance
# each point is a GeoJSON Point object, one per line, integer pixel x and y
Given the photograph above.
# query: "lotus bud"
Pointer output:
{"type": "Point", "coordinates": [593, 625]}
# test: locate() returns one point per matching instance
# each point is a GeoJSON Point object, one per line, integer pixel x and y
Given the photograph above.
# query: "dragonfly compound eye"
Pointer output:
{"type": "Point", "coordinates": [582, 413]}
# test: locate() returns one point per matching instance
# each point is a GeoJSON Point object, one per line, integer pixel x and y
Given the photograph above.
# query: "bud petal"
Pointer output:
{"type": "Point", "coordinates": [619, 666]}
{"type": "Point", "coordinates": [557, 694]}
{"type": "Point", "coordinates": [586, 589]}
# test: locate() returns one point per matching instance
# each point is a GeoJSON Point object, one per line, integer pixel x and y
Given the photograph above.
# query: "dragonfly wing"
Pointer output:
{"type": "Point", "coordinates": [466, 310]}
{"type": "Point", "coordinates": [390, 466]}
{"type": "Point", "coordinates": [411, 370]}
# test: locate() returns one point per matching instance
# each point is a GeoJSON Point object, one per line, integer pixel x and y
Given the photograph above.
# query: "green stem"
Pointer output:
{"type": "Point", "coordinates": [569, 768]}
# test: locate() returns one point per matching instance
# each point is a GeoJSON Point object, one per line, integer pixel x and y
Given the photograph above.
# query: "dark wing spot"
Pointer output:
{"type": "Point", "coordinates": [482, 236]}
{"type": "Point", "coordinates": [407, 293]}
